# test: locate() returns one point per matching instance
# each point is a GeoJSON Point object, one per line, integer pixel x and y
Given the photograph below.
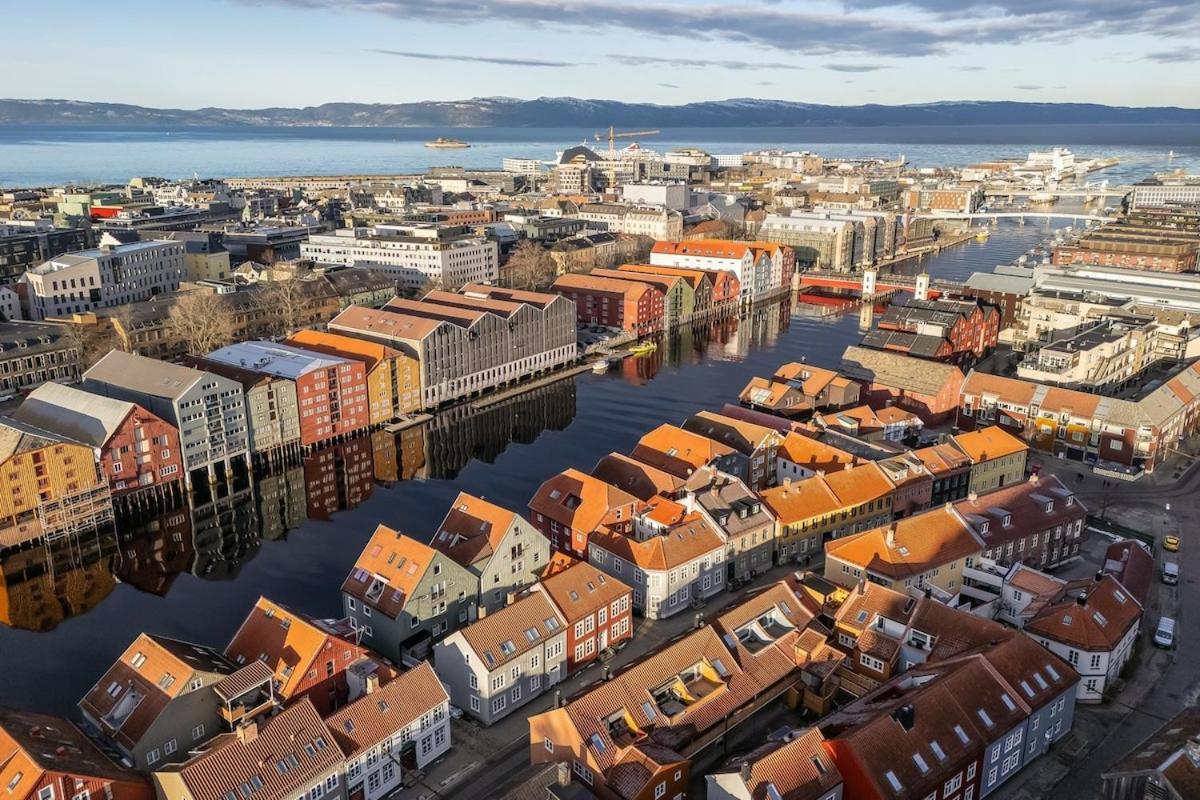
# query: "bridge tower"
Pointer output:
{"type": "Point", "coordinates": [921, 292]}
{"type": "Point", "coordinates": [866, 312]}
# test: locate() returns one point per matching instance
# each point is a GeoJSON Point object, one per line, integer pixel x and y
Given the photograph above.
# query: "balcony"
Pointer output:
{"type": "Point", "coordinates": [247, 706]}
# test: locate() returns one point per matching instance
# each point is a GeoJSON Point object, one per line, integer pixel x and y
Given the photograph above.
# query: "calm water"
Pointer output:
{"type": "Point", "coordinates": [194, 574]}
{"type": "Point", "coordinates": [51, 156]}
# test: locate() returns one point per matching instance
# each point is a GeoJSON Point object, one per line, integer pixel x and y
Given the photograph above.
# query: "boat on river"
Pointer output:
{"type": "Point", "coordinates": [444, 143]}
{"type": "Point", "coordinates": [643, 348]}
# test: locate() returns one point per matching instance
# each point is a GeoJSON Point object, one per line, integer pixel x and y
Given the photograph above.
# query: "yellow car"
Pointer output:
{"type": "Point", "coordinates": [1171, 543]}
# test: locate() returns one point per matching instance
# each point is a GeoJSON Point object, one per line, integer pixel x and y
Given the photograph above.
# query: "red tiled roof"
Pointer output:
{"type": "Point", "coordinates": [379, 714]}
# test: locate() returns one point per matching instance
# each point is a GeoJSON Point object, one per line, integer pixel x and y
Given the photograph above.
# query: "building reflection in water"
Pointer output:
{"type": "Point", "coordinates": [222, 528]}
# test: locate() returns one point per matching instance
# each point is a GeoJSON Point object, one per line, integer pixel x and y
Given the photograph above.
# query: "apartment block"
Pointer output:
{"type": "Point", "coordinates": [208, 410]}
{"type": "Point", "coordinates": [110, 275]}
{"type": "Point", "coordinates": [393, 377]}
{"type": "Point", "coordinates": [415, 256]}
{"type": "Point", "coordinates": [32, 353]}
{"type": "Point", "coordinates": [633, 306]}
{"type": "Point", "coordinates": [272, 409]}
{"type": "Point", "coordinates": [1038, 522]}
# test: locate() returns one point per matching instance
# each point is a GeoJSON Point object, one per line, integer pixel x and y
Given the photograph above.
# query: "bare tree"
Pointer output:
{"type": "Point", "coordinates": [531, 266]}
{"type": "Point", "coordinates": [203, 322]}
{"type": "Point", "coordinates": [93, 341]}
{"type": "Point", "coordinates": [285, 305]}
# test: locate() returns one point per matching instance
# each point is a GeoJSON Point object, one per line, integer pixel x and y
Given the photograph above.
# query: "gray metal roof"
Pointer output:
{"type": "Point", "coordinates": [73, 413]}
{"type": "Point", "coordinates": [140, 374]}
{"type": "Point", "coordinates": [994, 282]}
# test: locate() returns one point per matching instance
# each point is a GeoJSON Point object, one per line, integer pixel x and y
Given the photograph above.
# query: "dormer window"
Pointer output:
{"type": "Point", "coordinates": [1070, 500]}
{"type": "Point", "coordinates": [983, 528]}
{"type": "Point", "coordinates": [1049, 506]}
{"type": "Point", "coordinates": [1007, 520]}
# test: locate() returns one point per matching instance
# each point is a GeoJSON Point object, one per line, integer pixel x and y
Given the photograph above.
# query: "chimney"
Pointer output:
{"type": "Point", "coordinates": [510, 598]}
{"type": "Point", "coordinates": [973, 496]}
{"type": "Point", "coordinates": [372, 683]}
{"type": "Point", "coordinates": [905, 716]}
{"type": "Point", "coordinates": [890, 536]}
{"type": "Point", "coordinates": [1033, 478]}
{"type": "Point", "coordinates": [1099, 575]}
{"type": "Point", "coordinates": [1081, 599]}
{"type": "Point", "coordinates": [745, 772]}
{"type": "Point", "coordinates": [247, 732]}
{"type": "Point", "coordinates": [607, 672]}
{"type": "Point", "coordinates": [563, 774]}
{"type": "Point", "coordinates": [558, 698]}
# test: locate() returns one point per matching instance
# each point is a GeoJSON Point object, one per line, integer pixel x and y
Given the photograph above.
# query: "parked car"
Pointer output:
{"type": "Point", "coordinates": [1164, 635]}
{"type": "Point", "coordinates": [1170, 573]}
{"type": "Point", "coordinates": [1171, 543]}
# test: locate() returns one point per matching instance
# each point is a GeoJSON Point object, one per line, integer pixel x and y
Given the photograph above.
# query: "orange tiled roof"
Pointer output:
{"type": "Point", "coordinates": [580, 590]}
{"type": "Point", "coordinates": [579, 501]}
{"type": "Point", "coordinates": [683, 543]}
{"type": "Point", "coordinates": [921, 542]}
{"type": "Point", "coordinates": [472, 529]}
{"type": "Point", "coordinates": [341, 345]}
{"type": "Point", "coordinates": [801, 500]}
{"type": "Point", "coordinates": [286, 737]}
{"type": "Point", "coordinates": [1011, 390]}
{"type": "Point", "coordinates": [860, 484]}
{"type": "Point", "coordinates": [705, 248]}
{"type": "Point", "coordinates": [635, 477]}
{"type": "Point", "coordinates": [1098, 623]}
{"type": "Point", "coordinates": [290, 642]}
{"type": "Point", "coordinates": [376, 716]}
{"type": "Point", "coordinates": [668, 446]}
{"type": "Point", "coordinates": [502, 635]}
{"type": "Point", "coordinates": [989, 443]}
{"type": "Point", "coordinates": [398, 561]}
{"type": "Point", "coordinates": [813, 454]}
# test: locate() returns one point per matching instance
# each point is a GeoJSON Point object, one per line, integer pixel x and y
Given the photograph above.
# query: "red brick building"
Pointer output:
{"type": "Point", "coordinates": [1157, 251]}
{"type": "Point", "coordinates": [331, 391]}
{"type": "Point", "coordinates": [598, 608]}
{"type": "Point", "coordinates": [137, 450]}
{"type": "Point", "coordinates": [636, 307]}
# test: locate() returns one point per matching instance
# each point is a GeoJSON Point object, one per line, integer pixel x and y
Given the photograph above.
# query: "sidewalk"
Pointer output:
{"type": "Point", "coordinates": [483, 760]}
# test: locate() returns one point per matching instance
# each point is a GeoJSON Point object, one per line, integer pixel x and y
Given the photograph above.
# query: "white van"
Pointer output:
{"type": "Point", "coordinates": [1170, 572]}
{"type": "Point", "coordinates": [1164, 635]}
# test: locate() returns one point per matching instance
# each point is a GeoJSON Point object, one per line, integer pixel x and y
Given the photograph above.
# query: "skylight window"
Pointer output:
{"type": "Point", "coordinates": [720, 667]}
{"type": "Point", "coordinates": [1100, 618]}
{"type": "Point", "coordinates": [894, 781]}
{"type": "Point", "coordinates": [598, 743]}
{"type": "Point", "coordinates": [507, 647]}
{"type": "Point", "coordinates": [532, 634]}
{"type": "Point", "coordinates": [551, 624]}
{"type": "Point", "coordinates": [987, 720]}
{"type": "Point", "coordinates": [962, 734]}
{"type": "Point", "coordinates": [919, 760]}
{"type": "Point", "coordinates": [1053, 672]}
{"type": "Point", "coordinates": [938, 752]}
{"type": "Point", "coordinates": [1037, 676]}
{"type": "Point", "coordinates": [1025, 687]}
{"type": "Point", "coordinates": [648, 707]}
{"type": "Point", "coordinates": [1008, 701]}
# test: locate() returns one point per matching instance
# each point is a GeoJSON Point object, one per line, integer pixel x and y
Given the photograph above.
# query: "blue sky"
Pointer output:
{"type": "Point", "coordinates": [250, 53]}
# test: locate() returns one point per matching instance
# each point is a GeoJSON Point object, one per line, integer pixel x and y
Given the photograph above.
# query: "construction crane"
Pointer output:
{"type": "Point", "coordinates": [612, 149]}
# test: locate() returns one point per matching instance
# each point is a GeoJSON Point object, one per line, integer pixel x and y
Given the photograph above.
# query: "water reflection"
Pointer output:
{"type": "Point", "coordinates": [220, 530]}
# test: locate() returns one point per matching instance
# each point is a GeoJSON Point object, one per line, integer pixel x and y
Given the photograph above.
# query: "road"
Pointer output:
{"type": "Point", "coordinates": [1182, 676]}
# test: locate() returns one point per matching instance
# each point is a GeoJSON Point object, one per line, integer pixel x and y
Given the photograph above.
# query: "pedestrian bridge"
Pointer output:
{"type": "Point", "coordinates": [1046, 215]}
{"type": "Point", "coordinates": [884, 283]}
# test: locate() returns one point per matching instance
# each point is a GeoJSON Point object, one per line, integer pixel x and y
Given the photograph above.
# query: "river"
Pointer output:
{"type": "Point", "coordinates": [293, 536]}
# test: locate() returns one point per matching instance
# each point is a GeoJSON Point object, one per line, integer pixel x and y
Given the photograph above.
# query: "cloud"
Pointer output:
{"type": "Point", "coordinates": [774, 26]}
{"type": "Point", "coordinates": [1182, 55]}
{"type": "Point", "coordinates": [669, 85]}
{"type": "Point", "coordinates": [508, 62]}
{"type": "Point", "coordinates": [764, 83]}
{"type": "Point", "coordinates": [856, 67]}
{"type": "Point", "coordinates": [1053, 18]}
{"type": "Point", "coordinates": [699, 63]}
{"type": "Point", "coordinates": [1028, 87]}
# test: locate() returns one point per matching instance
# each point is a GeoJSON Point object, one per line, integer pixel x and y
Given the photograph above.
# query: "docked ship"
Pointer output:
{"type": "Point", "coordinates": [443, 143]}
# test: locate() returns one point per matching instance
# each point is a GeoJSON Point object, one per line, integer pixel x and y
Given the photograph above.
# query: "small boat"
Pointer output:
{"type": "Point", "coordinates": [443, 143]}
{"type": "Point", "coordinates": [982, 235]}
{"type": "Point", "coordinates": [600, 367]}
{"type": "Point", "coordinates": [643, 348]}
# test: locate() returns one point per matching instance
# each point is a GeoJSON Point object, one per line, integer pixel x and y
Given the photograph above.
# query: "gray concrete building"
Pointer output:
{"type": "Point", "coordinates": [207, 409]}
{"type": "Point", "coordinates": [109, 275]}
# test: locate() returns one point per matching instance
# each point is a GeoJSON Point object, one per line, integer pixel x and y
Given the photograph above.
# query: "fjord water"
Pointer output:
{"type": "Point", "coordinates": [49, 156]}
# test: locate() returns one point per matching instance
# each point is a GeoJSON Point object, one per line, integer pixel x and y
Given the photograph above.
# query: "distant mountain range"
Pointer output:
{"type": "Point", "coordinates": [567, 112]}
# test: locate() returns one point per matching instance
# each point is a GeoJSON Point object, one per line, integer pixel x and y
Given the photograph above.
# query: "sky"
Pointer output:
{"type": "Point", "coordinates": [255, 53]}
